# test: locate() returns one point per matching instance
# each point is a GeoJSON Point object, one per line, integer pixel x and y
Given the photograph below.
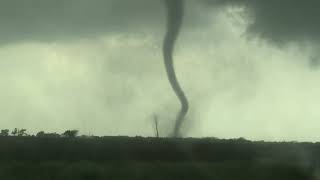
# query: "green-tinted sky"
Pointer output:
{"type": "Point", "coordinates": [249, 68]}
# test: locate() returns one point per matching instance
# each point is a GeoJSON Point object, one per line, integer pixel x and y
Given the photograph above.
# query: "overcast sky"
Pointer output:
{"type": "Point", "coordinates": [249, 67]}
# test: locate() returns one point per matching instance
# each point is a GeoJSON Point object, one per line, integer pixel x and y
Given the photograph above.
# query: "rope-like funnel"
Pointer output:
{"type": "Point", "coordinates": [175, 10]}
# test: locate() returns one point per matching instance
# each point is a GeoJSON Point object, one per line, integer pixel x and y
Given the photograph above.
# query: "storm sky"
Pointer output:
{"type": "Point", "coordinates": [249, 67]}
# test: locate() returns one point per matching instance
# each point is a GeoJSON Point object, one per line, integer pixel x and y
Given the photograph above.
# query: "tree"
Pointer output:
{"type": "Point", "coordinates": [70, 133]}
{"type": "Point", "coordinates": [19, 132]}
{"type": "Point", "coordinates": [15, 132]}
{"type": "Point", "coordinates": [40, 134]}
{"type": "Point", "coordinates": [50, 135]}
{"type": "Point", "coordinates": [4, 132]}
{"type": "Point", "coordinates": [22, 132]}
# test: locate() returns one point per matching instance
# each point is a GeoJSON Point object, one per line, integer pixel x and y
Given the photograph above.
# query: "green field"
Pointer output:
{"type": "Point", "coordinates": [85, 170]}
{"type": "Point", "coordinates": [123, 158]}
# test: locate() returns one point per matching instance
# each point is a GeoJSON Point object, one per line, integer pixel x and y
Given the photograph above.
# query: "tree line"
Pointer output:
{"type": "Point", "coordinates": [23, 132]}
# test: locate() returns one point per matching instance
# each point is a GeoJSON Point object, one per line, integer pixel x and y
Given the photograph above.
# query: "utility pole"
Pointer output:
{"type": "Point", "coordinates": [156, 123]}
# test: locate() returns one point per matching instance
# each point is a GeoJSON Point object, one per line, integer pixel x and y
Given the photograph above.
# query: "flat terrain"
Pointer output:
{"type": "Point", "coordinates": [154, 158]}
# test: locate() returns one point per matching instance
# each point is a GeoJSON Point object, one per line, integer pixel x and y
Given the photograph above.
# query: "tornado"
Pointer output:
{"type": "Point", "coordinates": [175, 10]}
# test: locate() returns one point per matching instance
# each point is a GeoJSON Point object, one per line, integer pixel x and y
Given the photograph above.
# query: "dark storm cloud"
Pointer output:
{"type": "Point", "coordinates": [275, 20]}
{"type": "Point", "coordinates": [65, 19]}
{"type": "Point", "coordinates": [285, 20]}
{"type": "Point", "coordinates": [48, 20]}
{"type": "Point", "coordinates": [280, 21]}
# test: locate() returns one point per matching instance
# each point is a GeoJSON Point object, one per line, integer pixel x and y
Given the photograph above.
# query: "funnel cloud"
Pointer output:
{"type": "Point", "coordinates": [174, 21]}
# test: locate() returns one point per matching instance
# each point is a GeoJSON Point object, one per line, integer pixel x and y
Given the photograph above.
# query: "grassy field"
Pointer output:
{"type": "Point", "coordinates": [85, 170]}
{"type": "Point", "coordinates": [123, 158]}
